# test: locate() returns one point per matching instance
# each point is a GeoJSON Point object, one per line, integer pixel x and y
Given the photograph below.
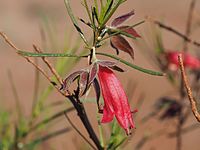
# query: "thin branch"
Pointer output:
{"type": "Point", "coordinates": [83, 117]}
{"type": "Point", "coordinates": [51, 68]}
{"type": "Point", "coordinates": [74, 100]}
{"type": "Point", "coordinates": [189, 23]}
{"type": "Point", "coordinates": [74, 127]}
{"type": "Point", "coordinates": [9, 42]}
{"type": "Point", "coordinates": [177, 33]}
{"type": "Point", "coordinates": [182, 91]}
{"type": "Point", "coordinates": [188, 89]}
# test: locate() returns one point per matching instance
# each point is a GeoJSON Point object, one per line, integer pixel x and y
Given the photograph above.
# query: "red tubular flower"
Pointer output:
{"type": "Point", "coordinates": [188, 60]}
{"type": "Point", "coordinates": [115, 100]}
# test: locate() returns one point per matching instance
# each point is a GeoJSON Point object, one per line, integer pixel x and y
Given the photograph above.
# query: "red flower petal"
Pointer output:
{"type": "Point", "coordinates": [108, 113]}
{"type": "Point", "coordinates": [115, 100]}
{"type": "Point", "coordinates": [191, 62]}
{"type": "Point", "coordinates": [188, 60]}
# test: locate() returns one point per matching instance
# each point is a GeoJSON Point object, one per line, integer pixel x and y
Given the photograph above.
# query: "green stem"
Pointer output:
{"type": "Point", "coordinates": [139, 23]}
{"type": "Point", "coordinates": [100, 131]}
{"type": "Point", "coordinates": [151, 72]}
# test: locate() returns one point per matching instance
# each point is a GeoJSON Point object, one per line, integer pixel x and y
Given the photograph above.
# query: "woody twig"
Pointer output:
{"type": "Point", "coordinates": [188, 89]}
{"type": "Point", "coordinates": [177, 33]}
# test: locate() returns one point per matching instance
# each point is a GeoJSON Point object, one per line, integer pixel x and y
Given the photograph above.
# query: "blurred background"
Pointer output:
{"type": "Point", "coordinates": [46, 24]}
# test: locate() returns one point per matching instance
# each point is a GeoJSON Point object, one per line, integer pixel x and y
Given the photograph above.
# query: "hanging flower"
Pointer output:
{"type": "Point", "coordinates": [104, 81]}
{"type": "Point", "coordinates": [115, 100]}
{"type": "Point", "coordinates": [189, 61]}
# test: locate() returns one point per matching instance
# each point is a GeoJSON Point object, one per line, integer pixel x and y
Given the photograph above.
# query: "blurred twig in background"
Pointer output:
{"type": "Point", "coordinates": [177, 33]}
{"type": "Point", "coordinates": [188, 89]}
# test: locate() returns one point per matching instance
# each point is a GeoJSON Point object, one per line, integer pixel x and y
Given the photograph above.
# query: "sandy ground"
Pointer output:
{"type": "Point", "coordinates": [20, 21]}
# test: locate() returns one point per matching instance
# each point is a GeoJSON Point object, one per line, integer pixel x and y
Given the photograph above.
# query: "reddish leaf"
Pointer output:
{"type": "Point", "coordinates": [113, 46]}
{"type": "Point", "coordinates": [117, 21]}
{"type": "Point", "coordinates": [106, 63]}
{"type": "Point", "coordinates": [83, 83]}
{"type": "Point", "coordinates": [93, 73]}
{"type": "Point", "coordinates": [110, 64]}
{"type": "Point", "coordinates": [130, 31]}
{"type": "Point", "coordinates": [68, 81]}
{"type": "Point", "coordinates": [120, 43]}
{"type": "Point", "coordinates": [117, 68]}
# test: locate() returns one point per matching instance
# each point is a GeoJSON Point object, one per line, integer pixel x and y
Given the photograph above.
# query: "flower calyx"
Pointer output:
{"type": "Point", "coordinates": [82, 80]}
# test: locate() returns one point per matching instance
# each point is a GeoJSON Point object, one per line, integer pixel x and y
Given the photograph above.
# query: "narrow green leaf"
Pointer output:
{"type": "Point", "coordinates": [73, 19]}
{"type": "Point", "coordinates": [108, 6]}
{"type": "Point", "coordinates": [116, 136]}
{"type": "Point", "coordinates": [122, 32]}
{"type": "Point", "coordinates": [151, 72]}
{"type": "Point", "coordinates": [96, 6]}
{"type": "Point", "coordinates": [94, 12]}
{"type": "Point", "coordinates": [86, 23]}
{"type": "Point", "coordinates": [117, 32]}
{"type": "Point", "coordinates": [120, 143]}
{"type": "Point", "coordinates": [30, 54]}
{"type": "Point", "coordinates": [157, 39]}
{"type": "Point", "coordinates": [102, 10]}
{"type": "Point", "coordinates": [93, 20]}
{"type": "Point", "coordinates": [159, 43]}
{"type": "Point", "coordinates": [129, 31]}
{"type": "Point", "coordinates": [87, 9]}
